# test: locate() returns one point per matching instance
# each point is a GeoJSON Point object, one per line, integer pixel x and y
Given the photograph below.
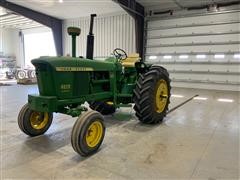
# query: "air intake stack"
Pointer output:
{"type": "Point", "coordinates": [74, 32]}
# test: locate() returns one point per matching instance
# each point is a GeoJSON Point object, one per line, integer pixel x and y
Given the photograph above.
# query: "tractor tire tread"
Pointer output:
{"type": "Point", "coordinates": [143, 95]}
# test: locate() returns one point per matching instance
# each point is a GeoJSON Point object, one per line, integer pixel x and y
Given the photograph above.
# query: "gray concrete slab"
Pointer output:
{"type": "Point", "coordinates": [200, 140]}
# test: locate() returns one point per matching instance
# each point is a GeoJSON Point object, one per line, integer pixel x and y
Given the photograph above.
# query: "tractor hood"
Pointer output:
{"type": "Point", "coordinates": [67, 64]}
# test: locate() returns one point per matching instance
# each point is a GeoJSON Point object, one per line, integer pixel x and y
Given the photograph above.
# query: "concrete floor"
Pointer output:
{"type": "Point", "coordinates": [198, 140]}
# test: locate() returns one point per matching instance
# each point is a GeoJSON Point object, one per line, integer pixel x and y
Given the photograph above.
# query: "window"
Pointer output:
{"type": "Point", "coordinates": [237, 56]}
{"type": "Point", "coordinates": [183, 57]}
{"type": "Point", "coordinates": [219, 56]}
{"type": "Point", "coordinates": [167, 57]}
{"type": "Point", "coordinates": [201, 56]}
{"type": "Point", "coordinates": [152, 57]}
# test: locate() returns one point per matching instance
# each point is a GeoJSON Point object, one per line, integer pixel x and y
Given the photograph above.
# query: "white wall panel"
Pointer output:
{"type": "Point", "coordinates": [196, 20]}
{"type": "Point", "coordinates": [209, 35]}
{"type": "Point", "coordinates": [113, 31]}
{"type": "Point", "coordinates": [196, 39]}
{"type": "Point", "coordinates": [184, 49]}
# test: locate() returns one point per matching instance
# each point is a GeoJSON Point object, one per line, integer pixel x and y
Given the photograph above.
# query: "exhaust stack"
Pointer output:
{"type": "Point", "coordinates": [90, 39]}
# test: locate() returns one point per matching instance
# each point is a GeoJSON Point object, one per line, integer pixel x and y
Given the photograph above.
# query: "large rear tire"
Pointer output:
{"type": "Point", "coordinates": [105, 108]}
{"type": "Point", "coordinates": [152, 95]}
{"type": "Point", "coordinates": [34, 123]}
{"type": "Point", "coordinates": [88, 133]}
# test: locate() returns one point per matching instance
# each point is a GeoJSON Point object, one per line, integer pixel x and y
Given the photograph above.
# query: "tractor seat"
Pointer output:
{"type": "Point", "coordinates": [131, 60]}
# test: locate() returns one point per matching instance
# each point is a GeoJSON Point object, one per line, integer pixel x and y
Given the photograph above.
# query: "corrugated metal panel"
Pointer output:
{"type": "Point", "coordinates": [115, 31]}
{"type": "Point", "coordinates": [17, 22]}
{"type": "Point", "coordinates": [192, 36]}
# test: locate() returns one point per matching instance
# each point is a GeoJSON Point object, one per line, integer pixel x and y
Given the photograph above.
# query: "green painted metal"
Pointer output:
{"type": "Point", "coordinates": [66, 83]}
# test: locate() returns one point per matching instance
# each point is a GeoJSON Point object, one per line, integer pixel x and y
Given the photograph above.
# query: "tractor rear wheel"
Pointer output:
{"type": "Point", "coordinates": [105, 108]}
{"type": "Point", "coordinates": [152, 95]}
{"type": "Point", "coordinates": [88, 133]}
{"type": "Point", "coordinates": [34, 123]}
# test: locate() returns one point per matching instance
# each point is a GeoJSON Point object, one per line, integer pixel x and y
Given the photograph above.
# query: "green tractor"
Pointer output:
{"type": "Point", "coordinates": [66, 83]}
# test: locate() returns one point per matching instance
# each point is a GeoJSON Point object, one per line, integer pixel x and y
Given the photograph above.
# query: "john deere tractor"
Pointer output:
{"type": "Point", "coordinates": [66, 83]}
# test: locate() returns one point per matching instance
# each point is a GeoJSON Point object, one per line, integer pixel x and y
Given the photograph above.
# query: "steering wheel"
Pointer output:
{"type": "Point", "coordinates": [120, 54]}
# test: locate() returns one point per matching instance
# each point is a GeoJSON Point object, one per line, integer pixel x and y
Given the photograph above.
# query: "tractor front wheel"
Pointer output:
{"type": "Point", "coordinates": [88, 133]}
{"type": "Point", "coordinates": [34, 123]}
{"type": "Point", "coordinates": [152, 95]}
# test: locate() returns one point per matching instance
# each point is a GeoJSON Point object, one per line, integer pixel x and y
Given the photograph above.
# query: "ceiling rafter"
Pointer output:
{"type": "Point", "coordinates": [19, 19]}
{"type": "Point", "coordinates": [13, 20]}
{"type": "Point", "coordinates": [17, 22]}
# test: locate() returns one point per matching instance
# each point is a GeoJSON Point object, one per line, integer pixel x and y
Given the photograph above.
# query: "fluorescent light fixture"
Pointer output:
{"type": "Point", "coordinates": [152, 57]}
{"type": "Point", "coordinates": [237, 56]}
{"type": "Point", "coordinates": [61, 1]}
{"type": "Point", "coordinates": [183, 56]}
{"type": "Point", "coordinates": [200, 98]}
{"type": "Point", "coordinates": [225, 100]}
{"type": "Point", "coordinates": [201, 56]}
{"type": "Point", "coordinates": [177, 96]}
{"type": "Point", "coordinates": [167, 57]}
{"type": "Point", "coordinates": [219, 56]}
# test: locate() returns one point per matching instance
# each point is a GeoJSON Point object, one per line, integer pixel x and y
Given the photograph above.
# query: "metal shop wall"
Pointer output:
{"type": "Point", "coordinates": [110, 32]}
{"type": "Point", "coordinates": [201, 51]}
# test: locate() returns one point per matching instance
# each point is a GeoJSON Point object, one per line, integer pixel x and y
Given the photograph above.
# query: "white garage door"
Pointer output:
{"type": "Point", "coordinates": [201, 51]}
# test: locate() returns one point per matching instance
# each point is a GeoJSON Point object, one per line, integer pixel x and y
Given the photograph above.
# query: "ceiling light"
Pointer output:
{"type": "Point", "coordinates": [167, 57]}
{"type": "Point", "coordinates": [183, 56]}
{"type": "Point", "coordinates": [152, 57]}
{"type": "Point", "coordinates": [201, 56]}
{"type": "Point", "coordinates": [200, 98]}
{"type": "Point", "coordinates": [225, 100]}
{"type": "Point", "coordinates": [177, 96]}
{"type": "Point", "coordinates": [219, 56]}
{"type": "Point", "coordinates": [237, 56]}
{"type": "Point", "coordinates": [60, 1]}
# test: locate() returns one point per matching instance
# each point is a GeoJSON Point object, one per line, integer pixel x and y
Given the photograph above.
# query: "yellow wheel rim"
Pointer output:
{"type": "Point", "coordinates": [39, 120]}
{"type": "Point", "coordinates": [94, 134]}
{"type": "Point", "coordinates": [161, 97]}
{"type": "Point", "coordinates": [109, 102]}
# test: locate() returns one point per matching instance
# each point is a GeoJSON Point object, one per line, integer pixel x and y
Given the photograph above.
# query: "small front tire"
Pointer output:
{"type": "Point", "coordinates": [34, 123]}
{"type": "Point", "coordinates": [88, 133]}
